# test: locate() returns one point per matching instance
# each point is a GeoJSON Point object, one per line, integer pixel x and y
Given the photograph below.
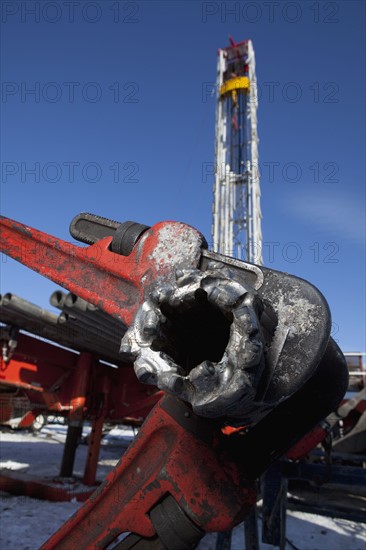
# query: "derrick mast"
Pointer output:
{"type": "Point", "coordinates": [236, 228]}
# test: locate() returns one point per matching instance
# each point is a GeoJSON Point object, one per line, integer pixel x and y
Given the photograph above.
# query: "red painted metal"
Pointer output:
{"type": "Point", "coordinates": [165, 458]}
{"type": "Point", "coordinates": [234, 44]}
{"type": "Point", "coordinates": [115, 284]}
{"type": "Point", "coordinates": [95, 436]}
{"type": "Point", "coordinates": [169, 455]}
{"type": "Point", "coordinates": [112, 282]}
{"type": "Point", "coordinates": [46, 374]}
{"type": "Point", "coordinates": [19, 483]}
{"type": "Point", "coordinates": [79, 385]}
{"type": "Point", "coordinates": [307, 443]}
{"type": "Point", "coordinates": [38, 367]}
{"type": "Point", "coordinates": [38, 350]}
{"type": "Point", "coordinates": [49, 379]}
{"type": "Point", "coordinates": [94, 395]}
{"type": "Point", "coordinates": [29, 418]}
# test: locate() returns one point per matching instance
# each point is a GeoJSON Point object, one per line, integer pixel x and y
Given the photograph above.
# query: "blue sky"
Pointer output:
{"type": "Point", "coordinates": [121, 123]}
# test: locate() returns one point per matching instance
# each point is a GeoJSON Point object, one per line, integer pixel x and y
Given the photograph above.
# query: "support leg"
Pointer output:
{"type": "Point", "coordinates": [223, 541]}
{"type": "Point", "coordinates": [251, 530]}
{"type": "Point", "coordinates": [76, 414]}
{"type": "Point", "coordinates": [274, 489]}
{"type": "Point", "coordinates": [72, 440]}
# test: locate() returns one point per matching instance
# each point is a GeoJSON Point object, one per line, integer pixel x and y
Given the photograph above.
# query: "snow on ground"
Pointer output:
{"type": "Point", "coordinates": [25, 523]}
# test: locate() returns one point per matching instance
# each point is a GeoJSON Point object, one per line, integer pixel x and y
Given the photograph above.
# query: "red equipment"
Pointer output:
{"type": "Point", "coordinates": [182, 476]}
{"type": "Point", "coordinates": [59, 381]}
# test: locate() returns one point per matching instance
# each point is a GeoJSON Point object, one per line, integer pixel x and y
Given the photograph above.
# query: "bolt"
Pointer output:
{"type": "Point", "coordinates": [125, 348]}
{"type": "Point", "coordinates": [145, 376]}
{"type": "Point", "coordinates": [176, 384]}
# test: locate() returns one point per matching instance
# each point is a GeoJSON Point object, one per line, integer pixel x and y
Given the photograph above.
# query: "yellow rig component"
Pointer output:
{"type": "Point", "coordinates": [235, 84]}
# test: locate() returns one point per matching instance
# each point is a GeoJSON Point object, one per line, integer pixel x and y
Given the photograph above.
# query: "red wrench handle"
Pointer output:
{"type": "Point", "coordinates": [171, 455]}
{"type": "Point", "coordinates": [92, 272]}
{"type": "Point", "coordinates": [114, 283]}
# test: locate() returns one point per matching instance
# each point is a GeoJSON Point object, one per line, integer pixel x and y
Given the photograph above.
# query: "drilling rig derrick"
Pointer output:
{"type": "Point", "coordinates": [237, 215]}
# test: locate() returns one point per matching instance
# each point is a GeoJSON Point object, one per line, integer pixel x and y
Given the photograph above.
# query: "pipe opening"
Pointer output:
{"type": "Point", "coordinates": [193, 333]}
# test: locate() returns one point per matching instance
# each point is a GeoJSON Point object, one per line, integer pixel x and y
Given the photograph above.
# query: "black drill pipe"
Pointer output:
{"type": "Point", "coordinates": [17, 304]}
{"type": "Point", "coordinates": [69, 335]}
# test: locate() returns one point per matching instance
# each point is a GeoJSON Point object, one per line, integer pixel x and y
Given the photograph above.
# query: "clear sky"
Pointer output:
{"type": "Point", "coordinates": [121, 123]}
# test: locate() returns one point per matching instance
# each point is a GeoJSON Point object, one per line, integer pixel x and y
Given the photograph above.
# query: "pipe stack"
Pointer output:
{"type": "Point", "coordinates": [80, 325]}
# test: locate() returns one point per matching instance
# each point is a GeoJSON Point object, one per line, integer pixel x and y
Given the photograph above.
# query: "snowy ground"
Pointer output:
{"type": "Point", "coordinates": [26, 523]}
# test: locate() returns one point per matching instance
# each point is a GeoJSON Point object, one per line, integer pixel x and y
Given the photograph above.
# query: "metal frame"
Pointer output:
{"type": "Point", "coordinates": [236, 228]}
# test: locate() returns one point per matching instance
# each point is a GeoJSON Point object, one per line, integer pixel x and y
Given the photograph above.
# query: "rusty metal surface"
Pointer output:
{"type": "Point", "coordinates": [210, 492]}
{"type": "Point", "coordinates": [236, 341]}
{"type": "Point", "coordinates": [277, 328]}
{"type": "Point", "coordinates": [302, 322]}
{"type": "Point", "coordinates": [113, 283]}
{"type": "Point", "coordinates": [47, 374]}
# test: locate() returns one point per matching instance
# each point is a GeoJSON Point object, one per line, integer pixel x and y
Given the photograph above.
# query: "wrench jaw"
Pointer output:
{"type": "Point", "coordinates": [237, 343]}
{"type": "Point", "coordinates": [231, 339]}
